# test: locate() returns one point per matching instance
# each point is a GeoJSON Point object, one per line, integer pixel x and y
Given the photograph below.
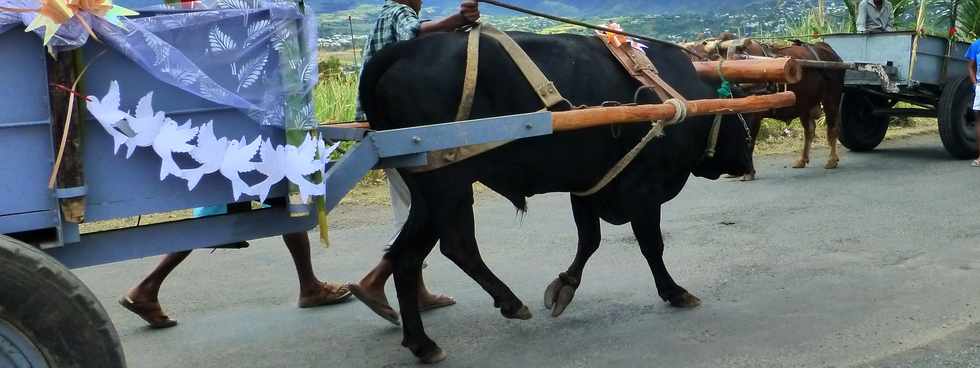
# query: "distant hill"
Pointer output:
{"type": "Point", "coordinates": [561, 7]}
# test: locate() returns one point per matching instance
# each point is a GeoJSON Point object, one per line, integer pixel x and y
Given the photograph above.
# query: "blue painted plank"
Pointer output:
{"type": "Point", "coordinates": [28, 221]}
{"type": "Point", "coordinates": [24, 169]}
{"type": "Point", "coordinates": [153, 240]}
{"type": "Point", "coordinates": [23, 73]}
{"type": "Point", "coordinates": [406, 141]}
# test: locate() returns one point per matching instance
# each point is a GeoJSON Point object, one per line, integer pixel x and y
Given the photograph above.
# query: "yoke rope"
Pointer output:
{"type": "Point", "coordinates": [656, 131]}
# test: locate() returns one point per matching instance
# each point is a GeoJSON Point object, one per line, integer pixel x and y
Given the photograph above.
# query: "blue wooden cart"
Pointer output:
{"type": "Point", "coordinates": [927, 72]}
{"type": "Point", "coordinates": [48, 318]}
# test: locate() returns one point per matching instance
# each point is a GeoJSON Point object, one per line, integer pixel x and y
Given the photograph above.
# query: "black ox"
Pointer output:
{"type": "Point", "coordinates": [419, 82]}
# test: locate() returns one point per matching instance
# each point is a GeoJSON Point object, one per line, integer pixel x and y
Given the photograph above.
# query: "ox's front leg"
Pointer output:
{"type": "Point", "coordinates": [646, 227]}
{"type": "Point", "coordinates": [457, 234]}
{"type": "Point", "coordinates": [407, 254]}
{"type": "Point", "coordinates": [560, 292]}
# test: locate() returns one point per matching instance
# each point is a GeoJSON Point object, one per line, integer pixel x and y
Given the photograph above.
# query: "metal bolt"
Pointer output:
{"type": "Point", "coordinates": [416, 139]}
{"type": "Point", "coordinates": [528, 126]}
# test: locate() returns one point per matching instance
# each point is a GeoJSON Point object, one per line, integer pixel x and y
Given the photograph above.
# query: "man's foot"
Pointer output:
{"type": "Point", "coordinates": [434, 301]}
{"type": "Point", "coordinates": [151, 312]}
{"type": "Point", "coordinates": [326, 294]}
{"type": "Point", "coordinates": [377, 302]}
{"type": "Point", "coordinates": [976, 163]}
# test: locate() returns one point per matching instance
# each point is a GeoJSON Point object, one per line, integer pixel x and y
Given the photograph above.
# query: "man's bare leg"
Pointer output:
{"type": "Point", "coordinates": [371, 291]}
{"type": "Point", "coordinates": [143, 299]}
{"type": "Point", "coordinates": [312, 292]}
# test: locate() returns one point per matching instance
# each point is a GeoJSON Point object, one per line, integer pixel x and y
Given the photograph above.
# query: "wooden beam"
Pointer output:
{"type": "Point", "coordinates": [71, 171]}
{"type": "Point", "coordinates": [600, 116]}
{"type": "Point", "coordinates": [781, 70]}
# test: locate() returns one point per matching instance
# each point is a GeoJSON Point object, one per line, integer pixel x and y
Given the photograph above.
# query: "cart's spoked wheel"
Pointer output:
{"type": "Point", "coordinates": [957, 123]}
{"type": "Point", "coordinates": [17, 351]}
{"type": "Point", "coordinates": [861, 129]}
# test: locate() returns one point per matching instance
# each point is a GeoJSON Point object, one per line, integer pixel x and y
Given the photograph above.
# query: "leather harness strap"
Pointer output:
{"type": "Point", "coordinates": [472, 70]}
{"type": "Point", "coordinates": [543, 87]}
{"type": "Point", "coordinates": [642, 69]}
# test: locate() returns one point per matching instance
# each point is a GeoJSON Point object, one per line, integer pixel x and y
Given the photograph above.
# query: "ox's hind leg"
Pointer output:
{"type": "Point", "coordinates": [809, 130]}
{"type": "Point", "coordinates": [646, 227]}
{"type": "Point", "coordinates": [561, 291]}
{"type": "Point", "coordinates": [831, 107]}
{"type": "Point", "coordinates": [457, 233]}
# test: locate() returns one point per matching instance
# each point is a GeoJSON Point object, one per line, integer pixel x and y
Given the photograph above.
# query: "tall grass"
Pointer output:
{"type": "Point", "coordinates": [335, 98]}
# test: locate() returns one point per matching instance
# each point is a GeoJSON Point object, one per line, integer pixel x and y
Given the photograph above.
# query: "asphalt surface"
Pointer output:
{"type": "Point", "coordinates": [876, 264]}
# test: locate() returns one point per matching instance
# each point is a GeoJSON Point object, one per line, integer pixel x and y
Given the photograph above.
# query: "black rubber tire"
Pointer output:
{"type": "Point", "coordinates": [860, 130]}
{"type": "Point", "coordinates": [54, 310]}
{"type": "Point", "coordinates": [957, 123]}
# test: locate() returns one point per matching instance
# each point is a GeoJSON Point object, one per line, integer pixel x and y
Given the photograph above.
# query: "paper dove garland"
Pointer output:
{"type": "Point", "coordinates": [106, 111]}
{"type": "Point", "coordinates": [173, 138]}
{"type": "Point", "coordinates": [229, 158]}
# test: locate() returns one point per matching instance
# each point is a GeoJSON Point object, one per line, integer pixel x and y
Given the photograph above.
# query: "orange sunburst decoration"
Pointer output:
{"type": "Point", "coordinates": [618, 40]}
{"type": "Point", "coordinates": [54, 13]}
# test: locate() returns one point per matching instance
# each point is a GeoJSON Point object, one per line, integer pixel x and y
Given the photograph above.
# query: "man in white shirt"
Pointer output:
{"type": "Point", "coordinates": [875, 16]}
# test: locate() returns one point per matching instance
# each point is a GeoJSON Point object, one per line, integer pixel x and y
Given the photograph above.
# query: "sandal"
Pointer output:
{"type": "Point", "coordinates": [976, 163]}
{"type": "Point", "coordinates": [441, 301]}
{"type": "Point", "coordinates": [151, 312]}
{"type": "Point", "coordinates": [325, 297]}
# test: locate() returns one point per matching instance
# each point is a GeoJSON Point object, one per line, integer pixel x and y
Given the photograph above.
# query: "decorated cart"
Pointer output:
{"type": "Point", "coordinates": [122, 114]}
{"type": "Point", "coordinates": [927, 73]}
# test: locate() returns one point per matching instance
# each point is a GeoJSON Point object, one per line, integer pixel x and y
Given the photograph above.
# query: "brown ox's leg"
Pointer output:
{"type": "Point", "coordinates": [561, 291]}
{"type": "Point", "coordinates": [457, 233]}
{"type": "Point", "coordinates": [831, 107]}
{"type": "Point", "coordinates": [809, 128]}
{"type": "Point", "coordinates": [755, 125]}
{"type": "Point", "coordinates": [646, 227]}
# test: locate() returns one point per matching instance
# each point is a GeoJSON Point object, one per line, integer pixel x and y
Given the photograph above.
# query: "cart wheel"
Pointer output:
{"type": "Point", "coordinates": [48, 318]}
{"type": "Point", "coordinates": [861, 130]}
{"type": "Point", "coordinates": [957, 123]}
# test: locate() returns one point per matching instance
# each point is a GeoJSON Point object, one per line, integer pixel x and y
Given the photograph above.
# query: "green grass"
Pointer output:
{"type": "Point", "coordinates": [335, 98]}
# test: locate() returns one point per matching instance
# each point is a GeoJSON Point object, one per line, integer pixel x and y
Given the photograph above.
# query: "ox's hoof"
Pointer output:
{"type": "Point", "coordinates": [560, 293]}
{"type": "Point", "coordinates": [730, 176]}
{"type": "Point", "coordinates": [523, 313]}
{"type": "Point", "coordinates": [748, 177]}
{"type": "Point", "coordinates": [800, 164]}
{"type": "Point", "coordinates": [832, 164]}
{"type": "Point", "coordinates": [684, 300]}
{"type": "Point", "coordinates": [433, 357]}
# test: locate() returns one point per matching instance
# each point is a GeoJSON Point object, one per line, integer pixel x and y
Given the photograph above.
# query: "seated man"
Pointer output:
{"type": "Point", "coordinates": [875, 16]}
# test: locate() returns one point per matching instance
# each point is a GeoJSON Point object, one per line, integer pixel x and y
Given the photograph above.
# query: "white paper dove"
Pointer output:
{"type": "Point", "coordinates": [210, 153]}
{"type": "Point", "coordinates": [146, 124]}
{"type": "Point", "coordinates": [238, 159]}
{"type": "Point", "coordinates": [106, 112]}
{"type": "Point", "coordinates": [324, 152]}
{"type": "Point", "coordinates": [173, 138]}
{"type": "Point", "coordinates": [273, 166]}
{"type": "Point", "coordinates": [302, 161]}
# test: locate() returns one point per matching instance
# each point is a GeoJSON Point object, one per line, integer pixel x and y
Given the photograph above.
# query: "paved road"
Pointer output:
{"type": "Point", "coordinates": [876, 264]}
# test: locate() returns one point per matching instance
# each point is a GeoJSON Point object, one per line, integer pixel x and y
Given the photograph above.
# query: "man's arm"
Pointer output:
{"type": "Point", "coordinates": [973, 71]}
{"type": "Point", "coordinates": [862, 17]}
{"type": "Point", "coordinates": [469, 13]}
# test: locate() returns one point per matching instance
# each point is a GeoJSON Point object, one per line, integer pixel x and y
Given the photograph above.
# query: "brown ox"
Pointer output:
{"type": "Point", "coordinates": [817, 87]}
